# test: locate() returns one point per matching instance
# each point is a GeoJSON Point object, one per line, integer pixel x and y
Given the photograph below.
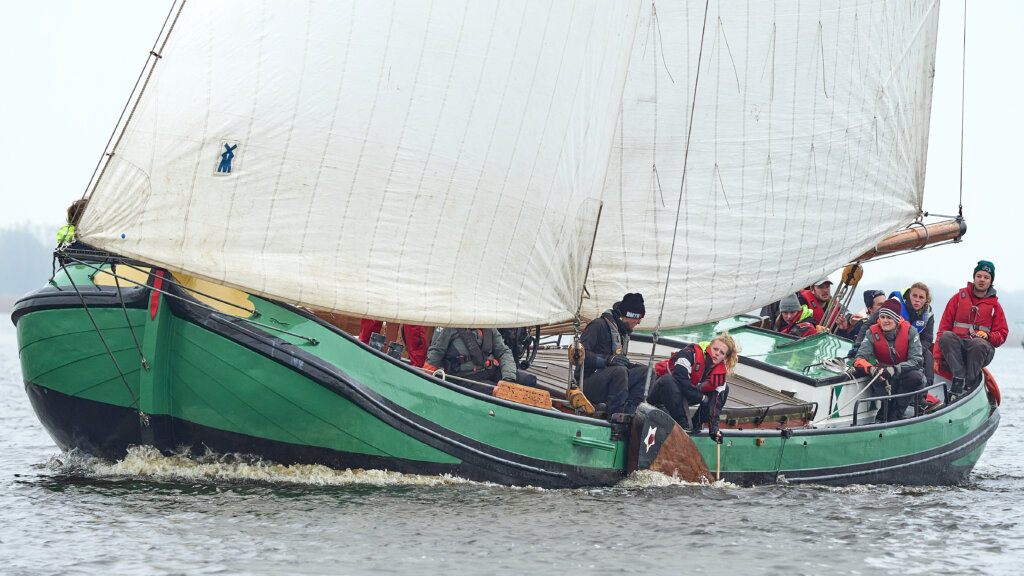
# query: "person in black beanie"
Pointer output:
{"type": "Point", "coordinates": [608, 375]}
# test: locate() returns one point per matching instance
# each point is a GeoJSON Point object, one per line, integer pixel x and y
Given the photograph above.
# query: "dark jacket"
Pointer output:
{"type": "Point", "coordinates": [599, 343]}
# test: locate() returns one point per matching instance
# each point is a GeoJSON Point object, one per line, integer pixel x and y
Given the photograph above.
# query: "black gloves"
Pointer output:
{"type": "Point", "coordinates": [716, 436]}
{"type": "Point", "coordinates": [619, 360]}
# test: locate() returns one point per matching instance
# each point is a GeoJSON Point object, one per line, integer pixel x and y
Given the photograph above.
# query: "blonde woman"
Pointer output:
{"type": "Point", "coordinates": [696, 375]}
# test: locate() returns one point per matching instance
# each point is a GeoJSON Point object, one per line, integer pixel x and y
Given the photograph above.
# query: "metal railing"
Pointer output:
{"type": "Point", "coordinates": [917, 409]}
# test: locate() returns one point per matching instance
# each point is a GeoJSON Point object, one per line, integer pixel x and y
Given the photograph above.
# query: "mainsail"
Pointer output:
{"type": "Point", "coordinates": [431, 162]}
{"type": "Point", "coordinates": [445, 163]}
{"type": "Point", "coordinates": [808, 145]}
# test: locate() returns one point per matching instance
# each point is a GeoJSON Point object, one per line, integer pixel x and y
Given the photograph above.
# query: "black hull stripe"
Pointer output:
{"type": "Point", "coordinates": [76, 422]}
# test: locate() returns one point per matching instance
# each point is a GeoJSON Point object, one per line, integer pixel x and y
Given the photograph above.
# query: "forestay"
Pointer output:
{"type": "Point", "coordinates": [431, 162]}
{"type": "Point", "coordinates": [810, 132]}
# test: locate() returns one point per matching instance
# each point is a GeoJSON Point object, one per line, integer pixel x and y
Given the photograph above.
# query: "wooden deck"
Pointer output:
{"type": "Point", "coordinates": [551, 368]}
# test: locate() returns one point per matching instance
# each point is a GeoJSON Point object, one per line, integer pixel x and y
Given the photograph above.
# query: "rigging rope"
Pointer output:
{"type": "Point", "coordinates": [142, 415]}
{"type": "Point", "coordinates": [963, 84]}
{"type": "Point", "coordinates": [679, 206]}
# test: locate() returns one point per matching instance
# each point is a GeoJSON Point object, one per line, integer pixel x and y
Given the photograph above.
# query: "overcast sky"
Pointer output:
{"type": "Point", "coordinates": [67, 67]}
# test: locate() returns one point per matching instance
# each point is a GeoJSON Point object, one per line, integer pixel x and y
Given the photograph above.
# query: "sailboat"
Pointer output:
{"type": "Point", "coordinates": [486, 164]}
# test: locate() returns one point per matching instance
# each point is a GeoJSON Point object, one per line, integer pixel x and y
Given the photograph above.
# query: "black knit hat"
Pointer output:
{"type": "Point", "coordinates": [631, 305]}
{"type": "Point", "coordinates": [870, 295]}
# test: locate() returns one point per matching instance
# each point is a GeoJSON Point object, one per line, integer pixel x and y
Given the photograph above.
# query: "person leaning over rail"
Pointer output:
{"type": "Point", "coordinates": [477, 355]}
{"type": "Point", "coordinates": [608, 375]}
{"type": "Point", "coordinates": [896, 348]}
{"type": "Point", "coordinates": [972, 327]}
{"type": "Point", "coordinates": [696, 374]}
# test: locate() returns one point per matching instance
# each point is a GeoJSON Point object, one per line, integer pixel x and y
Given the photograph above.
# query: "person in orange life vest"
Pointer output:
{"type": "Point", "coordinates": [608, 375]}
{"type": "Point", "coordinates": [794, 319]}
{"type": "Point", "coordinates": [896, 348]}
{"type": "Point", "coordinates": [415, 338]}
{"type": "Point", "coordinates": [816, 297]}
{"type": "Point", "coordinates": [972, 327]}
{"type": "Point", "coordinates": [477, 355]}
{"type": "Point", "coordinates": [696, 375]}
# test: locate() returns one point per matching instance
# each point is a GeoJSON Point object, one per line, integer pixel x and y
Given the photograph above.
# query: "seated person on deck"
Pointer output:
{"type": "Point", "coordinates": [608, 375]}
{"type": "Point", "coordinates": [973, 325]}
{"type": "Point", "coordinates": [896, 348]}
{"type": "Point", "coordinates": [817, 298]}
{"type": "Point", "coordinates": [475, 354]}
{"type": "Point", "coordinates": [794, 319]}
{"type": "Point", "coordinates": [696, 375]}
{"type": "Point", "coordinates": [414, 336]}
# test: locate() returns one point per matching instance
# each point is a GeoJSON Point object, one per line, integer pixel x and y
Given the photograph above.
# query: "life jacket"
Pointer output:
{"type": "Point", "coordinates": [714, 380]}
{"type": "Point", "coordinates": [971, 315]}
{"type": "Point", "coordinates": [906, 311]}
{"type": "Point", "coordinates": [902, 344]}
{"type": "Point", "coordinates": [811, 301]}
{"type": "Point", "coordinates": [800, 326]}
{"type": "Point", "coordinates": [66, 234]}
{"type": "Point", "coordinates": [480, 355]}
{"type": "Point", "coordinates": [620, 342]}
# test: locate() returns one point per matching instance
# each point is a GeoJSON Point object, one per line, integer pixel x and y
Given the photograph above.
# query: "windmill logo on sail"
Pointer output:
{"type": "Point", "coordinates": [227, 154]}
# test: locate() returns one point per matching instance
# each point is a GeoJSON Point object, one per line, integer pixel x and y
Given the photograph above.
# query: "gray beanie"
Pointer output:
{"type": "Point", "coordinates": [790, 304]}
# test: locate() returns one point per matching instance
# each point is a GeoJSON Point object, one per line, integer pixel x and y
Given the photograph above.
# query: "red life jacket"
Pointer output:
{"type": "Point", "coordinates": [809, 299]}
{"type": "Point", "coordinates": [902, 344]}
{"type": "Point", "coordinates": [715, 379]}
{"type": "Point", "coordinates": [972, 314]}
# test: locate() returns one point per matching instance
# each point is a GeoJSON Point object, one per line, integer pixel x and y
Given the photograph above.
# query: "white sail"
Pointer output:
{"type": "Point", "coordinates": [809, 139]}
{"type": "Point", "coordinates": [430, 162]}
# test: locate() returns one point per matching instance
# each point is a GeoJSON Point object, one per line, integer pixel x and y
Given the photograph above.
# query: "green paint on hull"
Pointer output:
{"type": "Point", "coordinates": [200, 377]}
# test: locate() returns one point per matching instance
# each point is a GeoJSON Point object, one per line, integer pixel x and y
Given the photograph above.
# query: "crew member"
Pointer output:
{"type": "Point", "coordinates": [816, 297]}
{"type": "Point", "coordinates": [415, 338]}
{"type": "Point", "coordinates": [696, 375]}
{"type": "Point", "coordinates": [794, 319]}
{"type": "Point", "coordinates": [972, 327]}
{"type": "Point", "coordinates": [477, 355]}
{"type": "Point", "coordinates": [608, 375]}
{"type": "Point", "coordinates": [896, 348]}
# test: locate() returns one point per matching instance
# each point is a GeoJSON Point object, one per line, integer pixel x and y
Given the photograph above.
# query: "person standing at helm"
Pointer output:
{"type": "Point", "coordinates": [972, 327]}
{"type": "Point", "coordinates": [696, 375]}
{"type": "Point", "coordinates": [608, 375]}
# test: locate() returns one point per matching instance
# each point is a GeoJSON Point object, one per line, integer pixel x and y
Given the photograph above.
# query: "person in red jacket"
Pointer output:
{"type": "Point", "coordinates": [415, 338]}
{"type": "Point", "coordinates": [696, 375]}
{"type": "Point", "coordinates": [972, 327]}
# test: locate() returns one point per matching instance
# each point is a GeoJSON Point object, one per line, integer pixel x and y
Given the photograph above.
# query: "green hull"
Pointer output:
{"type": "Point", "coordinates": [314, 395]}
